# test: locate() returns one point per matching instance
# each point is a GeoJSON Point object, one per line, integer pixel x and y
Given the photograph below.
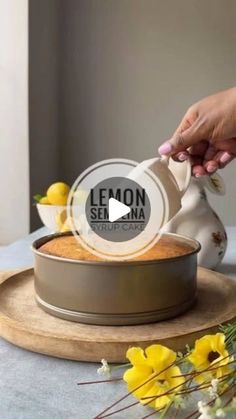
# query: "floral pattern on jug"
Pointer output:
{"type": "Point", "coordinates": [220, 240]}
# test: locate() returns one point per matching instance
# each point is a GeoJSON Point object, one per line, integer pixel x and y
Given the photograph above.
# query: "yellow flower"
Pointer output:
{"type": "Point", "coordinates": [155, 365]}
{"type": "Point", "coordinates": [210, 353]}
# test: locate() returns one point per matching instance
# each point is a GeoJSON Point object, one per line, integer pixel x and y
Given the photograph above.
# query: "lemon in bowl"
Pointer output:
{"type": "Point", "coordinates": [52, 206]}
{"type": "Point", "coordinates": [57, 193]}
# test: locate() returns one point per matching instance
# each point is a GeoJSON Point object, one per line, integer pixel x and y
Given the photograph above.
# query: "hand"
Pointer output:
{"type": "Point", "coordinates": [206, 134]}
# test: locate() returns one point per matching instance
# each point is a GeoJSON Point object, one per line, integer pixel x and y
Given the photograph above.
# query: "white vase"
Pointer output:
{"type": "Point", "coordinates": [198, 220]}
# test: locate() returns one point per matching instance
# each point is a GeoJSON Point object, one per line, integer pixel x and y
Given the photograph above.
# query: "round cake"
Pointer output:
{"type": "Point", "coordinates": [74, 284]}
{"type": "Point", "coordinates": [68, 247]}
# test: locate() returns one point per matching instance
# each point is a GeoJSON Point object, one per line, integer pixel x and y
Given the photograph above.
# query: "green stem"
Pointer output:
{"type": "Point", "coordinates": [117, 367]}
{"type": "Point", "coordinates": [163, 413]}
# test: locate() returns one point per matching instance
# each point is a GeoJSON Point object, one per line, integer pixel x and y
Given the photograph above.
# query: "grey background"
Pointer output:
{"type": "Point", "coordinates": [114, 78]}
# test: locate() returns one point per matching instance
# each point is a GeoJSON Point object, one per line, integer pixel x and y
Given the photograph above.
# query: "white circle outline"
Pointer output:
{"type": "Point", "coordinates": [101, 254]}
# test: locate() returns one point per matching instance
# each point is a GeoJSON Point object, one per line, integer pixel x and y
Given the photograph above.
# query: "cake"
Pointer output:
{"type": "Point", "coordinates": [68, 247]}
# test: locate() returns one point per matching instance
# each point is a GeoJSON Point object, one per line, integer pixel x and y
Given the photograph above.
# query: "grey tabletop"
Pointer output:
{"type": "Point", "coordinates": [34, 386]}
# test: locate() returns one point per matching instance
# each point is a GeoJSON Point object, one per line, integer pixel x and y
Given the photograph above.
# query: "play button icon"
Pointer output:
{"type": "Point", "coordinates": [121, 214]}
{"type": "Point", "coordinates": [117, 210]}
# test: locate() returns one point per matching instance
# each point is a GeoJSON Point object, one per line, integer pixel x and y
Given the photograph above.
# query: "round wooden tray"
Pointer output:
{"type": "Point", "coordinates": [23, 323]}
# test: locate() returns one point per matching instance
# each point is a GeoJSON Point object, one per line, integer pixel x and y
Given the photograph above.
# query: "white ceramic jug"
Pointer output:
{"type": "Point", "coordinates": [197, 219]}
{"type": "Point", "coordinates": [172, 176]}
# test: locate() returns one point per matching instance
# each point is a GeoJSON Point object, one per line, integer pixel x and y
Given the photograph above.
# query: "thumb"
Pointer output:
{"type": "Point", "coordinates": [181, 141]}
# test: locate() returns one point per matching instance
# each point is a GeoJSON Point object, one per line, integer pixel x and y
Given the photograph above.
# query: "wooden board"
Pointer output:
{"type": "Point", "coordinates": [23, 323]}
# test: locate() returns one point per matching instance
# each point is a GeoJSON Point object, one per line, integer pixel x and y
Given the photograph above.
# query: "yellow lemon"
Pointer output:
{"type": "Point", "coordinates": [57, 193]}
{"type": "Point", "coordinates": [61, 219]}
{"type": "Point", "coordinates": [67, 226]}
{"type": "Point", "coordinates": [63, 222]}
{"type": "Point", "coordinates": [44, 200]}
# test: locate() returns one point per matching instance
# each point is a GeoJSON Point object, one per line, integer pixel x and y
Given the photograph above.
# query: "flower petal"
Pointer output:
{"type": "Point", "coordinates": [199, 356]}
{"type": "Point", "coordinates": [199, 359]}
{"type": "Point", "coordinates": [160, 357]}
{"type": "Point", "coordinates": [159, 401]}
{"type": "Point", "coordinates": [135, 377]}
{"type": "Point", "coordinates": [218, 344]}
{"type": "Point", "coordinates": [174, 378]}
{"type": "Point", "coordinates": [162, 402]}
{"type": "Point", "coordinates": [136, 356]}
{"type": "Point", "coordinates": [152, 392]}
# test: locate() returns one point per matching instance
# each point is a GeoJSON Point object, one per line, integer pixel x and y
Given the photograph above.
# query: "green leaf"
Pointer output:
{"type": "Point", "coordinates": [37, 197]}
{"type": "Point", "coordinates": [230, 334]}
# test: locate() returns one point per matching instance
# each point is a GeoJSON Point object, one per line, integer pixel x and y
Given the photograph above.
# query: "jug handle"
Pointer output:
{"type": "Point", "coordinates": [166, 159]}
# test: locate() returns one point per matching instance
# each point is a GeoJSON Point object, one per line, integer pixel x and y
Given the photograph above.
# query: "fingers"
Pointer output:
{"type": "Point", "coordinates": [223, 158]}
{"type": "Point", "coordinates": [217, 160]}
{"type": "Point", "coordinates": [211, 166]}
{"type": "Point", "coordinates": [208, 169]}
{"type": "Point", "coordinates": [226, 145]}
{"type": "Point", "coordinates": [226, 151]}
{"type": "Point", "coordinates": [184, 136]}
{"type": "Point", "coordinates": [198, 171]}
{"type": "Point", "coordinates": [210, 153]}
{"type": "Point", "coordinates": [199, 149]}
{"type": "Point", "coordinates": [187, 142]}
{"type": "Point", "coordinates": [181, 156]}
{"type": "Point", "coordinates": [180, 141]}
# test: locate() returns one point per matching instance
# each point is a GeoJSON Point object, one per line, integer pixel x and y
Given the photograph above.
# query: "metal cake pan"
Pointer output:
{"type": "Point", "coordinates": [114, 292]}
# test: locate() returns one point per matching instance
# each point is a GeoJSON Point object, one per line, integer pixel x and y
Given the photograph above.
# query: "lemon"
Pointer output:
{"type": "Point", "coordinates": [63, 222]}
{"type": "Point", "coordinates": [61, 219]}
{"type": "Point", "coordinates": [44, 200]}
{"type": "Point", "coordinates": [67, 226]}
{"type": "Point", "coordinates": [57, 193]}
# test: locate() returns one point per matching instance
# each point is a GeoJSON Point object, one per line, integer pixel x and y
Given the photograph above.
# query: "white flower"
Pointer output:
{"type": "Point", "coordinates": [220, 413]}
{"type": "Point", "coordinates": [204, 410]}
{"type": "Point", "coordinates": [104, 369]}
{"type": "Point", "coordinates": [214, 388]}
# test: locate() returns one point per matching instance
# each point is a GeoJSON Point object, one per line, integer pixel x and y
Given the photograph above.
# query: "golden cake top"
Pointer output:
{"type": "Point", "coordinates": [68, 247]}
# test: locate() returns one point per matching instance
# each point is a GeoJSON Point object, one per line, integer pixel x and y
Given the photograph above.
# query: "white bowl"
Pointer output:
{"type": "Point", "coordinates": [48, 215]}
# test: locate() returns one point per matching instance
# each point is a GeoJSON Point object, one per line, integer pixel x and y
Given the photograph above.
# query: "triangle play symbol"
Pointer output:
{"type": "Point", "coordinates": [116, 209]}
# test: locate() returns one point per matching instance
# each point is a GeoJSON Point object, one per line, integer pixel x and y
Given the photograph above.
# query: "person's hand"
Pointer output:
{"type": "Point", "coordinates": [206, 134]}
